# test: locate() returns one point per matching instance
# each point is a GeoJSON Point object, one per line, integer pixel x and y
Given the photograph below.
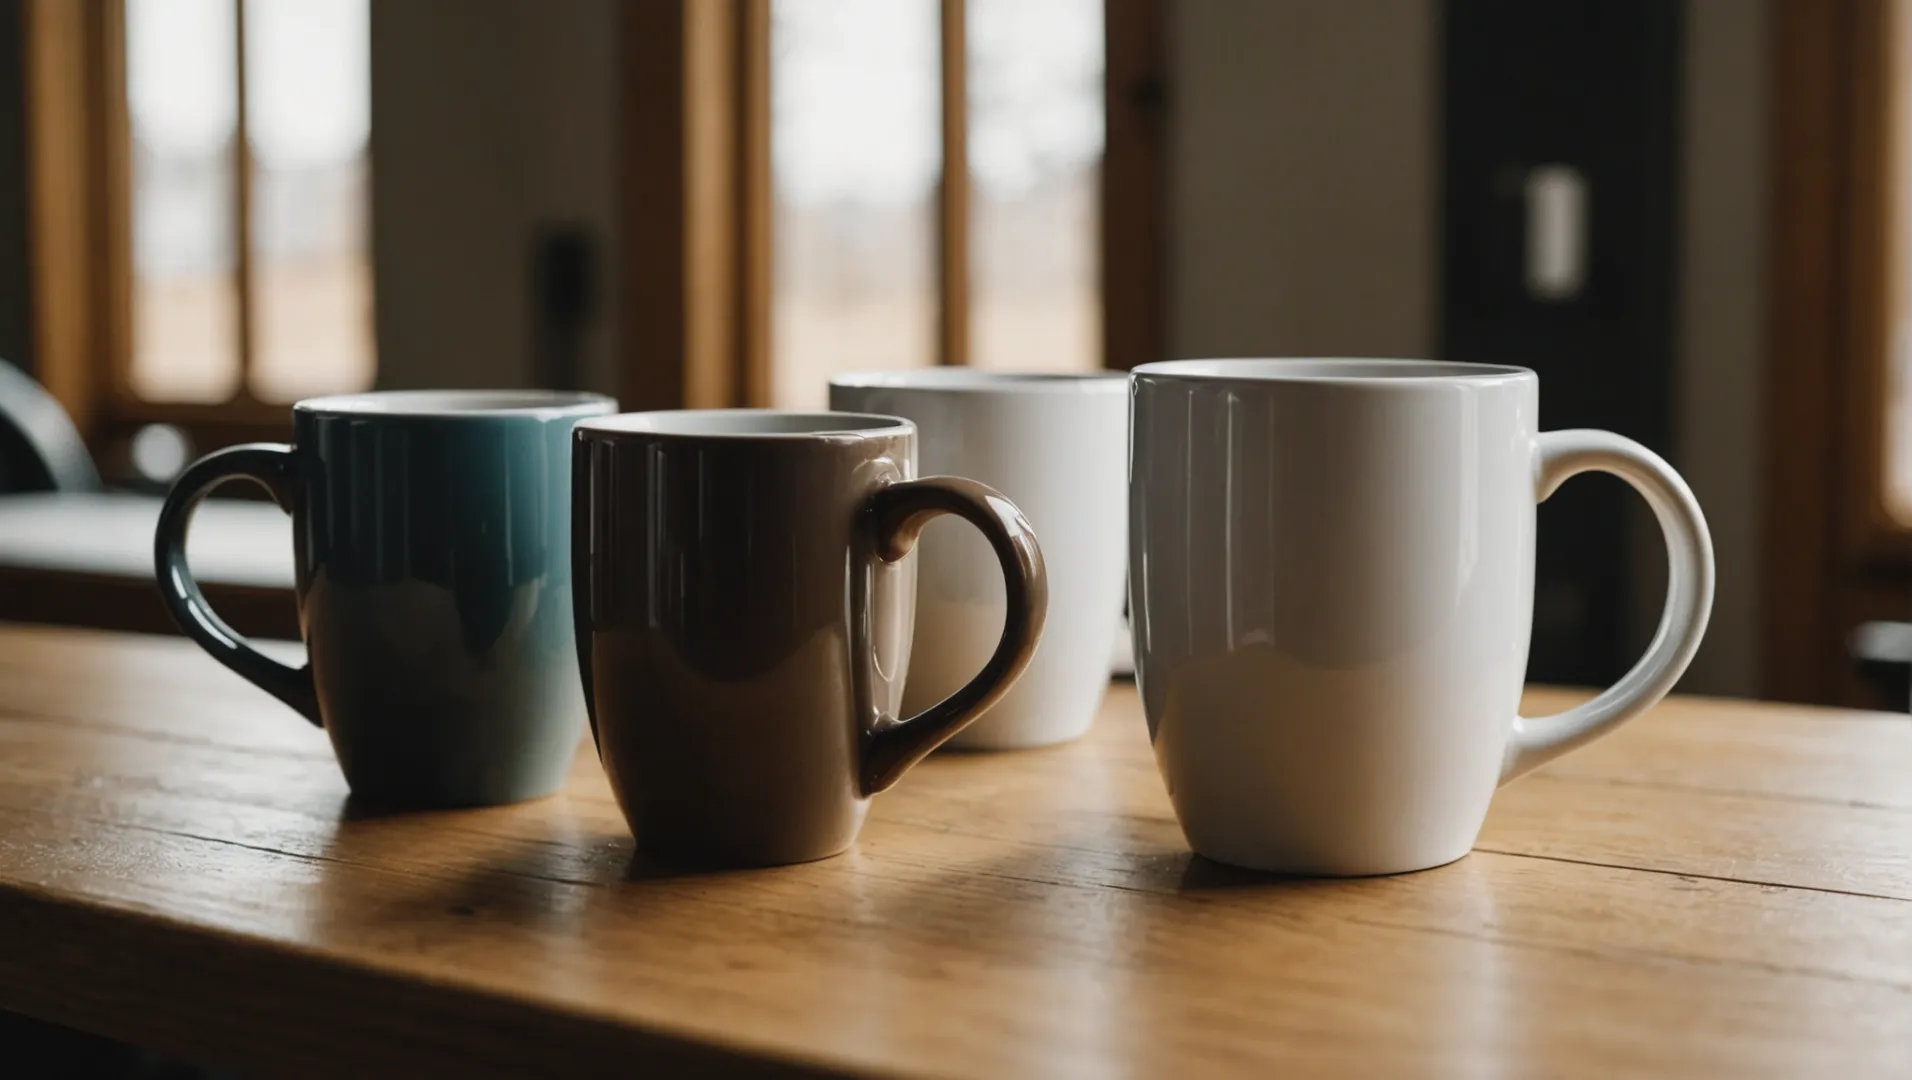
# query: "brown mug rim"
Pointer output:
{"type": "Point", "coordinates": [805, 424]}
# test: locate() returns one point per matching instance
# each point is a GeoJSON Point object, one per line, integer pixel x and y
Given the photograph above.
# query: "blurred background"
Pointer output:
{"type": "Point", "coordinates": [1686, 216]}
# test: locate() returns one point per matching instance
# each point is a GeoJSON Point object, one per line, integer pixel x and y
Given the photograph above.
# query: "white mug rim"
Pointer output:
{"type": "Point", "coordinates": [458, 404]}
{"type": "Point", "coordinates": [1367, 372]}
{"type": "Point", "coordinates": [967, 380]}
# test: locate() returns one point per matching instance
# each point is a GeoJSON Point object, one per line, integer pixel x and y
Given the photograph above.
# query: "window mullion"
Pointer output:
{"type": "Point", "coordinates": [755, 201]}
{"type": "Point", "coordinates": [953, 193]}
{"type": "Point", "coordinates": [242, 206]}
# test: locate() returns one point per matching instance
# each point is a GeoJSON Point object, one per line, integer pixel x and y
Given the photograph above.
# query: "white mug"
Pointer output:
{"type": "Point", "coordinates": [1056, 445]}
{"type": "Point", "coordinates": [1332, 590]}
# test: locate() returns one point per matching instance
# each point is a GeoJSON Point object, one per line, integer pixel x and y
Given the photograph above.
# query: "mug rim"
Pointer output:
{"type": "Point", "coordinates": [745, 424]}
{"type": "Point", "coordinates": [968, 380]}
{"type": "Point", "coordinates": [459, 404]}
{"type": "Point", "coordinates": [1368, 372]}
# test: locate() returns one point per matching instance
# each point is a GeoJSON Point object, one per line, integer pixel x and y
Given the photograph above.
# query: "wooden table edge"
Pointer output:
{"type": "Point", "coordinates": [221, 982]}
{"type": "Point", "coordinates": [80, 600]}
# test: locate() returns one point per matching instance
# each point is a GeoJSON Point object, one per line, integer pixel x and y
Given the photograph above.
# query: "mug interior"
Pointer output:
{"type": "Point", "coordinates": [448, 403]}
{"type": "Point", "coordinates": [1322, 369]}
{"type": "Point", "coordinates": [745, 423]}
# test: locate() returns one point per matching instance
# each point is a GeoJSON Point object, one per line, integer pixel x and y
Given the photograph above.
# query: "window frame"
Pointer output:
{"type": "Point", "coordinates": [80, 139]}
{"type": "Point", "coordinates": [1870, 533]}
{"type": "Point", "coordinates": [1834, 555]}
{"type": "Point", "coordinates": [696, 215]}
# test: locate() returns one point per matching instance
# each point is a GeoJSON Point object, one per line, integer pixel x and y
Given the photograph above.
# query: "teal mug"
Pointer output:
{"type": "Point", "coordinates": [431, 536]}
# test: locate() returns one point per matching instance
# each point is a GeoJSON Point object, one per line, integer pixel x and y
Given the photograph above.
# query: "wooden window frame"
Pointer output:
{"type": "Point", "coordinates": [696, 217]}
{"type": "Point", "coordinates": [80, 141]}
{"type": "Point", "coordinates": [696, 228]}
{"type": "Point", "coordinates": [953, 310]}
{"type": "Point", "coordinates": [1835, 557]}
{"type": "Point", "coordinates": [1869, 531]}
{"type": "Point", "coordinates": [1134, 233]}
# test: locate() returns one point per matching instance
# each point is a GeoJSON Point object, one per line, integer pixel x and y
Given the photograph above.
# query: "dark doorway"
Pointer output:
{"type": "Point", "coordinates": [1561, 141]}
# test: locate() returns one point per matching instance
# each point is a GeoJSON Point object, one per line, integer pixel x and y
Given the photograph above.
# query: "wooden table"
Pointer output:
{"type": "Point", "coordinates": [1721, 889]}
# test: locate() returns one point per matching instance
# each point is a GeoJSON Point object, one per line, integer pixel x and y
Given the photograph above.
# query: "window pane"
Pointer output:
{"type": "Point", "coordinates": [1035, 148]}
{"type": "Point", "coordinates": [856, 149]}
{"type": "Point", "coordinates": [308, 115]}
{"type": "Point", "coordinates": [182, 95]}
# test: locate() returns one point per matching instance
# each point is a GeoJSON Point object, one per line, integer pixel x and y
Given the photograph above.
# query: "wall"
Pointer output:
{"type": "Point", "coordinates": [1303, 177]}
{"type": "Point", "coordinates": [1304, 219]}
{"type": "Point", "coordinates": [490, 118]}
{"type": "Point", "coordinates": [1722, 321]}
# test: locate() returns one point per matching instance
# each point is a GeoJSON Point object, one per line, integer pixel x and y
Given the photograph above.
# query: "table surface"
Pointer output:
{"type": "Point", "coordinates": [1723, 888]}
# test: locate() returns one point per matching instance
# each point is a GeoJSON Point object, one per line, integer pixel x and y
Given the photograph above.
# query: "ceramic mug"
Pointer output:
{"type": "Point", "coordinates": [431, 534]}
{"type": "Point", "coordinates": [1332, 590]}
{"type": "Point", "coordinates": [1057, 445]}
{"type": "Point", "coordinates": [744, 599]}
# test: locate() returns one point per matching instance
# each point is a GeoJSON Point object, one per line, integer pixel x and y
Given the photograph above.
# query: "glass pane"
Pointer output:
{"type": "Point", "coordinates": [182, 92]}
{"type": "Point", "coordinates": [1035, 147]}
{"type": "Point", "coordinates": [856, 150]}
{"type": "Point", "coordinates": [308, 116]}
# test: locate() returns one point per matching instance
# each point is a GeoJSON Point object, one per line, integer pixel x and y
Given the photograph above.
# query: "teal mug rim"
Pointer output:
{"type": "Point", "coordinates": [459, 404]}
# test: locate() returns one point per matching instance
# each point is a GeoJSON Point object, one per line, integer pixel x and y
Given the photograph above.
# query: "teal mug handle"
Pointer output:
{"type": "Point", "coordinates": [271, 466]}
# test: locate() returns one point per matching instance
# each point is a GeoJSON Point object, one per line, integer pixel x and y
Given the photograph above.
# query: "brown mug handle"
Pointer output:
{"type": "Point", "coordinates": [897, 514]}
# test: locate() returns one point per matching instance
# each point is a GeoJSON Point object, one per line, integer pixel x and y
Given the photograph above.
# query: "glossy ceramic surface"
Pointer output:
{"type": "Point", "coordinates": [431, 533]}
{"type": "Point", "coordinates": [1057, 445]}
{"type": "Point", "coordinates": [1332, 592]}
{"type": "Point", "coordinates": [744, 599]}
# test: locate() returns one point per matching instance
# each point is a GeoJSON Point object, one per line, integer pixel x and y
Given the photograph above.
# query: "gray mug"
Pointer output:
{"type": "Point", "coordinates": [431, 534]}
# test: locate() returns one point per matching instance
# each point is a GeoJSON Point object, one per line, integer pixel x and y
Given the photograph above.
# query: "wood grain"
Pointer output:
{"type": "Point", "coordinates": [1721, 888]}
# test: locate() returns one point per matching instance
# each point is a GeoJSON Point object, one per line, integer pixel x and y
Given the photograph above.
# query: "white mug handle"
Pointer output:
{"type": "Point", "coordinates": [1689, 593]}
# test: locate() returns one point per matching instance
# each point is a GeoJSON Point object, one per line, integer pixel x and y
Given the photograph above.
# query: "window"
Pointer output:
{"type": "Point", "coordinates": [1035, 153]}
{"type": "Point", "coordinates": [856, 157]}
{"type": "Point", "coordinates": [907, 232]}
{"type": "Point", "coordinates": [222, 250]}
{"type": "Point", "coordinates": [182, 96]}
{"type": "Point", "coordinates": [248, 132]}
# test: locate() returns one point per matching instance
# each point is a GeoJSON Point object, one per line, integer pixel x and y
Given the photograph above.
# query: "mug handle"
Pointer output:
{"type": "Point", "coordinates": [272, 466]}
{"type": "Point", "coordinates": [897, 514]}
{"type": "Point", "coordinates": [1689, 593]}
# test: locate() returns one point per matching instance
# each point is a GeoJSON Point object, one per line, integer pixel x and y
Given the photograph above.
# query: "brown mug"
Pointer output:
{"type": "Point", "coordinates": [745, 607]}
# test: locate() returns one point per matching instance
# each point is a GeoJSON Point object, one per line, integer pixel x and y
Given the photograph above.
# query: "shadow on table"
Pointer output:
{"type": "Point", "coordinates": [1199, 874]}
{"type": "Point", "coordinates": [541, 864]}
